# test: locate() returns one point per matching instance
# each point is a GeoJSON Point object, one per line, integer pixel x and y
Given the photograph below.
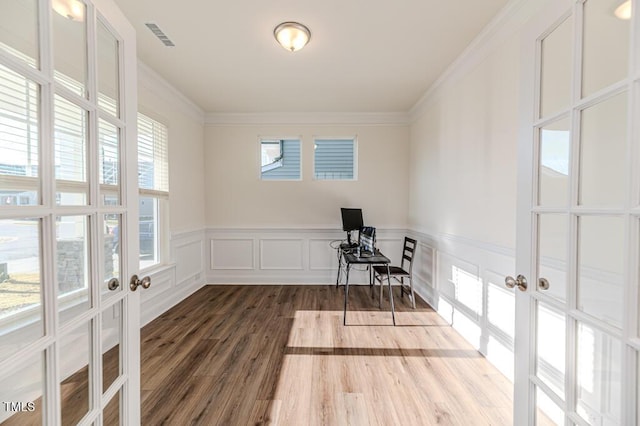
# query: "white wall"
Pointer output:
{"type": "Point", "coordinates": [237, 198]}
{"type": "Point", "coordinates": [185, 272]}
{"type": "Point", "coordinates": [462, 199]}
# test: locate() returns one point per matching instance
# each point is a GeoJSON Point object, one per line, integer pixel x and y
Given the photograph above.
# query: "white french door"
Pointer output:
{"type": "Point", "coordinates": [577, 346]}
{"type": "Point", "coordinates": [69, 324]}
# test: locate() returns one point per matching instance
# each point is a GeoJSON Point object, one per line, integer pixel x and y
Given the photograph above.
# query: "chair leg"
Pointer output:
{"type": "Point", "coordinates": [401, 286]}
{"type": "Point", "coordinates": [413, 296]}
{"type": "Point", "coordinates": [381, 288]}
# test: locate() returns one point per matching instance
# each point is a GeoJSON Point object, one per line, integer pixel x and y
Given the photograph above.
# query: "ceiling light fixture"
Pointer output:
{"type": "Point", "coordinates": [624, 10]}
{"type": "Point", "coordinates": [292, 36]}
{"type": "Point", "coordinates": [71, 9]}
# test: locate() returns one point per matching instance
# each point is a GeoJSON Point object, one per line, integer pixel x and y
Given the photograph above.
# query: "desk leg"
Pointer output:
{"type": "Point", "coordinates": [346, 295]}
{"type": "Point", "coordinates": [339, 267]}
{"type": "Point", "coordinates": [393, 313]}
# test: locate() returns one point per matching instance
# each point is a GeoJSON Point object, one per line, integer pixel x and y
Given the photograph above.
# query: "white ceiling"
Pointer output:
{"type": "Point", "coordinates": [364, 55]}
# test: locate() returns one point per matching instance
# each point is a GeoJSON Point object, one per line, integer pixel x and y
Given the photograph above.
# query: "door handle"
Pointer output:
{"type": "Point", "coordinates": [136, 282]}
{"type": "Point", "coordinates": [520, 281]}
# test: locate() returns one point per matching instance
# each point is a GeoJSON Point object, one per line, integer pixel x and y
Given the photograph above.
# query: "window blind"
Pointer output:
{"type": "Point", "coordinates": [153, 156]}
{"type": "Point", "coordinates": [334, 159]}
{"type": "Point", "coordinates": [18, 125]}
{"type": "Point", "coordinates": [70, 130]}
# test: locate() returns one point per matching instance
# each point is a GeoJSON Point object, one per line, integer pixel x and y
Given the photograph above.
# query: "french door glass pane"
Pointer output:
{"type": "Point", "coordinates": [550, 342]}
{"type": "Point", "coordinates": [112, 255]}
{"type": "Point", "coordinates": [603, 151]}
{"type": "Point", "coordinates": [70, 44]}
{"type": "Point", "coordinates": [111, 340]}
{"type": "Point", "coordinates": [108, 70]}
{"type": "Point", "coordinates": [111, 413]}
{"type": "Point", "coordinates": [70, 153]}
{"type": "Point", "coordinates": [600, 267]}
{"type": "Point", "coordinates": [548, 413]}
{"type": "Point", "coordinates": [19, 134]}
{"type": "Point", "coordinates": [148, 225]}
{"type": "Point", "coordinates": [19, 29]}
{"type": "Point", "coordinates": [72, 261]}
{"type": "Point", "coordinates": [552, 253]}
{"type": "Point", "coordinates": [553, 168]}
{"type": "Point", "coordinates": [21, 393]}
{"type": "Point", "coordinates": [109, 158]}
{"type": "Point", "coordinates": [599, 377]}
{"type": "Point", "coordinates": [75, 371]}
{"type": "Point", "coordinates": [555, 84]}
{"type": "Point", "coordinates": [606, 46]}
{"type": "Point", "coordinates": [21, 315]}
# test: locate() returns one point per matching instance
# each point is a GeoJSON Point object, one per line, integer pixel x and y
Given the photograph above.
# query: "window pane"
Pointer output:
{"type": "Point", "coordinates": [603, 151]}
{"type": "Point", "coordinates": [70, 153]}
{"type": "Point", "coordinates": [112, 255]}
{"type": "Point", "coordinates": [149, 250]}
{"type": "Point", "coordinates": [153, 155]}
{"type": "Point", "coordinates": [70, 44]}
{"type": "Point", "coordinates": [556, 69]}
{"type": "Point", "coordinates": [20, 284]}
{"type": "Point", "coordinates": [111, 339]}
{"type": "Point", "coordinates": [19, 133]}
{"type": "Point", "coordinates": [606, 46]}
{"type": "Point", "coordinates": [334, 159]}
{"type": "Point", "coordinates": [72, 254]}
{"type": "Point", "coordinates": [75, 370]}
{"type": "Point", "coordinates": [550, 348]}
{"type": "Point", "coordinates": [23, 388]}
{"type": "Point", "coordinates": [600, 267]}
{"type": "Point", "coordinates": [108, 136]}
{"type": "Point", "coordinates": [599, 377]}
{"type": "Point", "coordinates": [548, 413]}
{"type": "Point", "coordinates": [553, 170]}
{"type": "Point", "coordinates": [19, 29]}
{"type": "Point", "coordinates": [108, 82]}
{"type": "Point", "coordinates": [552, 253]}
{"type": "Point", "coordinates": [280, 159]}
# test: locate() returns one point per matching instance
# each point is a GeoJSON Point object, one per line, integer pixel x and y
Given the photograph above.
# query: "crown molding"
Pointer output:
{"type": "Point", "coordinates": [303, 118]}
{"type": "Point", "coordinates": [150, 79]}
{"type": "Point", "coordinates": [512, 17]}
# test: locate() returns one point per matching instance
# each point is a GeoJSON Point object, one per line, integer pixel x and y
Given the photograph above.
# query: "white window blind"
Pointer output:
{"type": "Point", "coordinates": [153, 156]}
{"type": "Point", "coordinates": [70, 129]}
{"type": "Point", "coordinates": [18, 125]}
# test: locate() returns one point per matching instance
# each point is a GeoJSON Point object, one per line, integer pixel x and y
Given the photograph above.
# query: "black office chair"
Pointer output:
{"type": "Point", "coordinates": [399, 273]}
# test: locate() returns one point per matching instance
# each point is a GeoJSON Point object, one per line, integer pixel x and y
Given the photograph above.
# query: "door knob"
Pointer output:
{"type": "Point", "coordinates": [543, 284]}
{"type": "Point", "coordinates": [136, 282]}
{"type": "Point", "coordinates": [113, 284]}
{"type": "Point", "coordinates": [520, 281]}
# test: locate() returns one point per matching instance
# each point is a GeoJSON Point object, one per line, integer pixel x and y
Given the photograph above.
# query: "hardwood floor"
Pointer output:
{"type": "Point", "coordinates": [238, 355]}
{"type": "Point", "coordinates": [258, 355]}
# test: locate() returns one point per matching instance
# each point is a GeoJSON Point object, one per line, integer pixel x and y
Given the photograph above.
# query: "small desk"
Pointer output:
{"type": "Point", "coordinates": [376, 259]}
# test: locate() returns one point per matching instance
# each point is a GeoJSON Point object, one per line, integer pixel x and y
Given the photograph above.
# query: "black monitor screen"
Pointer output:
{"type": "Point", "coordinates": [351, 219]}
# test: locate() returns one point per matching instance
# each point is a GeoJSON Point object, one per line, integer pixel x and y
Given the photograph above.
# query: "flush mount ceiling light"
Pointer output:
{"type": "Point", "coordinates": [624, 10]}
{"type": "Point", "coordinates": [292, 35]}
{"type": "Point", "coordinates": [71, 9]}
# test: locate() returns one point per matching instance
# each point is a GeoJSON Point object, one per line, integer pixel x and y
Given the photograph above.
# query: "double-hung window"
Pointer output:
{"type": "Point", "coordinates": [153, 183]}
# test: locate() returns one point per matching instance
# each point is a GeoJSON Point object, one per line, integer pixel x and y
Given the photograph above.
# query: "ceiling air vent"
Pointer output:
{"type": "Point", "coordinates": [158, 33]}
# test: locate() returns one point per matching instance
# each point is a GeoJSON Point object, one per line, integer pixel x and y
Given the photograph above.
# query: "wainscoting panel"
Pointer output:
{"type": "Point", "coordinates": [282, 254]}
{"type": "Point", "coordinates": [176, 280]}
{"type": "Point", "coordinates": [322, 255]}
{"type": "Point", "coordinates": [232, 253]}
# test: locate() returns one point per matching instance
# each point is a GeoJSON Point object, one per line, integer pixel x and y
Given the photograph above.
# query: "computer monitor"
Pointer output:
{"type": "Point", "coordinates": [351, 221]}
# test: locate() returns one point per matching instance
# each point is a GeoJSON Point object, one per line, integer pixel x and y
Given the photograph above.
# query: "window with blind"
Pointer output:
{"type": "Point", "coordinates": [335, 159]}
{"type": "Point", "coordinates": [153, 183]}
{"type": "Point", "coordinates": [19, 139]}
